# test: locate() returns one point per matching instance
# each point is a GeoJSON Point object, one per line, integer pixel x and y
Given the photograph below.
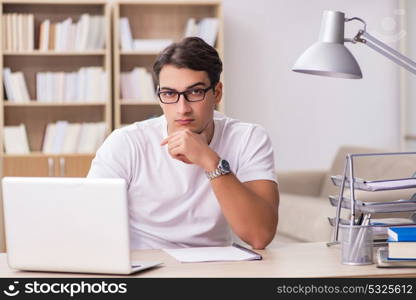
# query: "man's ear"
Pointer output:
{"type": "Point", "coordinates": [157, 97]}
{"type": "Point", "coordinates": [218, 92]}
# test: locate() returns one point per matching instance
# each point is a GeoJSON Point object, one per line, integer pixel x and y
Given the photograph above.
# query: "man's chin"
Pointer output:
{"type": "Point", "coordinates": [190, 127]}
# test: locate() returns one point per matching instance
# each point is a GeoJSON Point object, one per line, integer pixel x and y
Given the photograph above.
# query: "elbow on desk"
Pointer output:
{"type": "Point", "coordinates": [262, 239]}
{"type": "Point", "coordinates": [260, 244]}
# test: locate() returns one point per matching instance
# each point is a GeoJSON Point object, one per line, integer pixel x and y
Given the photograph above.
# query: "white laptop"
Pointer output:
{"type": "Point", "coordinates": [68, 225]}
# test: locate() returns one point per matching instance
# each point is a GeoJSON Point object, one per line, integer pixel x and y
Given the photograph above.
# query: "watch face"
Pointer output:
{"type": "Point", "coordinates": [225, 165]}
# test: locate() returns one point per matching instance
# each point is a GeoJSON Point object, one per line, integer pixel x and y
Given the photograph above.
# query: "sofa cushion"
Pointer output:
{"type": "Point", "coordinates": [305, 218]}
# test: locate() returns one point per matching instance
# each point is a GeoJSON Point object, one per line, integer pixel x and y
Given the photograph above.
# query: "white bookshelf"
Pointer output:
{"type": "Point", "coordinates": [37, 114]}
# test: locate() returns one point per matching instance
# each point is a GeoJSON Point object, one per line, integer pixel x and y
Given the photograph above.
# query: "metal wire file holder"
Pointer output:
{"type": "Point", "coordinates": [348, 176]}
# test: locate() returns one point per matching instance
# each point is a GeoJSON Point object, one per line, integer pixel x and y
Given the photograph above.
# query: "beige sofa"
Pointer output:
{"type": "Point", "coordinates": [304, 206]}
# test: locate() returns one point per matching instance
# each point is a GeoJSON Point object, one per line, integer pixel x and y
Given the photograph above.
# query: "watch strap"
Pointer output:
{"type": "Point", "coordinates": [217, 172]}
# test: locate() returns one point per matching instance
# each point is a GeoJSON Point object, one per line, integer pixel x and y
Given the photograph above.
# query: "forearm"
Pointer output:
{"type": "Point", "coordinates": [251, 217]}
{"type": "Point", "coordinates": [250, 208]}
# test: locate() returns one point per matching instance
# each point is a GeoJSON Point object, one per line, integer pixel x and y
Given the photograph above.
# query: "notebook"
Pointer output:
{"type": "Point", "coordinates": [235, 252]}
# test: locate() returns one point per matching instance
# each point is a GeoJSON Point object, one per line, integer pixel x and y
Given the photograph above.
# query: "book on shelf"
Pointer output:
{"type": "Point", "coordinates": [14, 33]}
{"type": "Point", "coordinates": [82, 32]}
{"type": "Point", "coordinates": [62, 37]}
{"type": "Point", "coordinates": [137, 85]}
{"type": "Point", "coordinates": [59, 136]}
{"type": "Point", "coordinates": [8, 35]}
{"type": "Point", "coordinates": [15, 86]}
{"type": "Point", "coordinates": [20, 87]}
{"type": "Point", "coordinates": [402, 234]}
{"type": "Point", "coordinates": [44, 35]}
{"type": "Point", "coordinates": [4, 33]}
{"type": "Point", "coordinates": [86, 85]}
{"type": "Point", "coordinates": [191, 28]}
{"type": "Point", "coordinates": [126, 37]}
{"type": "Point", "coordinates": [63, 137]}
{"type": "Point", "coordinates": [15, 139]}
{"type": "Point", "coordinates": [206, 29]}
{"type": "Point", "coordinates": [18, 32]}
{"type": "Point", "coordinates": [91, 137]}
{"type": "Point", "coordinates": [48, 138]}
{"type": "Point", "coordinates": [71, 138]}
{"type": "Point", "coordinates": [51, 37]}
{"type": "Point", "coordinates": [128, 43]}
{"type": "Point", "coordinates": [88, 33]}
{"type": "Point", "coordinates": [151, 45]}
{"type": "Point", "coordinates": [8, 85]}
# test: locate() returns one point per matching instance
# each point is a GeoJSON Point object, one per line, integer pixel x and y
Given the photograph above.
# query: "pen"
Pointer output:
{"type": "Point", "coordinates": [257, 255]}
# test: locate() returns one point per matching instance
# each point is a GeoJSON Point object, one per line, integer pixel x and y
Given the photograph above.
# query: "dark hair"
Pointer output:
{"type": "Point", "coordinates": [191, 53]}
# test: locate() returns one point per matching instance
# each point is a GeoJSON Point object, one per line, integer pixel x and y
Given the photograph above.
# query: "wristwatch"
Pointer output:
{"type": "Point", "coordinates": [222, 169]}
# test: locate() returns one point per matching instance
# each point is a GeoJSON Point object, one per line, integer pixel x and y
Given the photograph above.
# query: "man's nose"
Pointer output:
{"type": "Point", "coordinates": [183, 106]}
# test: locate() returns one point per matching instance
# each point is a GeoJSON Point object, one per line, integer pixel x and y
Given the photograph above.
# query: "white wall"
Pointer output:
{"type": "Point", "coordinates": [410, 80]}
{"type": "Point", "coordinates": [309, 117]}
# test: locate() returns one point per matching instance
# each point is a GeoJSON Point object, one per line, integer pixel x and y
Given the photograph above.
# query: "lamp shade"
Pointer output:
{"type": "Point", "coordinates": [329, 56]}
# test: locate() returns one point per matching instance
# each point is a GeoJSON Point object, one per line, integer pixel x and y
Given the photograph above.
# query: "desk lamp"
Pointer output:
{"type": "Point", "coordinates": [329, 56]}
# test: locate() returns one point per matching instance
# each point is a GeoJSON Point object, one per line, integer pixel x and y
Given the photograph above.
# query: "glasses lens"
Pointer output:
{"type": "Point", "coordinates": [195, 94]}
{"type": "Point", "coordinates": [168, 96]}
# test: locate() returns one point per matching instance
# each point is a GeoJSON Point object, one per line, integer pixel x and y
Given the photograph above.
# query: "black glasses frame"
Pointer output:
{"type": "Point", "coordinates": [184, 95]}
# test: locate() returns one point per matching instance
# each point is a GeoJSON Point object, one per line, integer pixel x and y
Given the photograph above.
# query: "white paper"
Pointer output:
{"type": "Point", "coordinates": [377, 185]}
{"type": "Point", "coordinates": [204, 254]}
{"type": "Point", "coordinates": [393, 184]}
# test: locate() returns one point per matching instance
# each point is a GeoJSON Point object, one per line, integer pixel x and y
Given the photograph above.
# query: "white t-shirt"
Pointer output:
{"type": "Point", "coordinates": [172, 204]}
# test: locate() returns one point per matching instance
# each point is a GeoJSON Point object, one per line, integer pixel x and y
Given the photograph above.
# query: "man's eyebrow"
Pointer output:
{"type": "Point", "coordinates": [188, 87]}
{"type": "Point", "coordinates": [196, 84]}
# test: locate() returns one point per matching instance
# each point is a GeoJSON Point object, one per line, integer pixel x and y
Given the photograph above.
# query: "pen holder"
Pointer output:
{"type": "Point", "coordinates": [356, 244]}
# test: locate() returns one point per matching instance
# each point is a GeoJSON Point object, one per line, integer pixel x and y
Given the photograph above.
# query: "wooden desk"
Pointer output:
{"type": "Point", "coordinates": [287, 260]}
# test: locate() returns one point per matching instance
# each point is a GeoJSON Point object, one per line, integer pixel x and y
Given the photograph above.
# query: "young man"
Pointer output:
{"type": "Point", "coordinates": [193, 174]}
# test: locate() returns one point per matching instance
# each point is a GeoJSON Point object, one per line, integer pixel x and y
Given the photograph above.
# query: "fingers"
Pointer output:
{"type": "Point", "coordinates": [174, 144]}
{"type": "Point", "coordinates": [176, 153]}
{"type": "Point", "coordinates": [174, 136]}
{"type": "Point", "coordinates": [176, 150]}
{"type": "Point", "coordinates": [183, 158]}
{"type": "Point", "coordinates": [164, 142]}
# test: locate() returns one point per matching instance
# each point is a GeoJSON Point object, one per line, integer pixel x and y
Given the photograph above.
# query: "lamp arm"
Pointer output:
{"type": "Point", "coordinates": [386, 50]}
{"type": "Point", "coordinates": [357, 19]}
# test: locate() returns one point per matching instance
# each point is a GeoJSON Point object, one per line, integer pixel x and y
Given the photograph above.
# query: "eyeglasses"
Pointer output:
{"type": "Point", "coordinates": [191, 95]}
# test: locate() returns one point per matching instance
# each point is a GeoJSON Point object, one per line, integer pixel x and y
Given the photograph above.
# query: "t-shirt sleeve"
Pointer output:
{"type": "Point", "coordinates": [113, 158]}
{"type": "Point", "coordinates": [256, 158]}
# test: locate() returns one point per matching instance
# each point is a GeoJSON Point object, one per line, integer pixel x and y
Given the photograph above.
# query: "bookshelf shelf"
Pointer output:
{"type": "Point", "coordinates": [154, 53]}
{"type": "Point", "coordinates": [53, 104]}
{"type": "Point", "coordinates": [56, 2]}
{"type": "Point", "coordinates": [55, 53]}
{"type": "Point", "coordinates": [133, 103]}
{"type": "Point", "coordinates": [154, 20]}
{"type": "Point", "coordinates": [43, 155]}
{"type": "Point", "coordinates": [79, 66]}
{"type": "Point", "coordinates": [171, 2]}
